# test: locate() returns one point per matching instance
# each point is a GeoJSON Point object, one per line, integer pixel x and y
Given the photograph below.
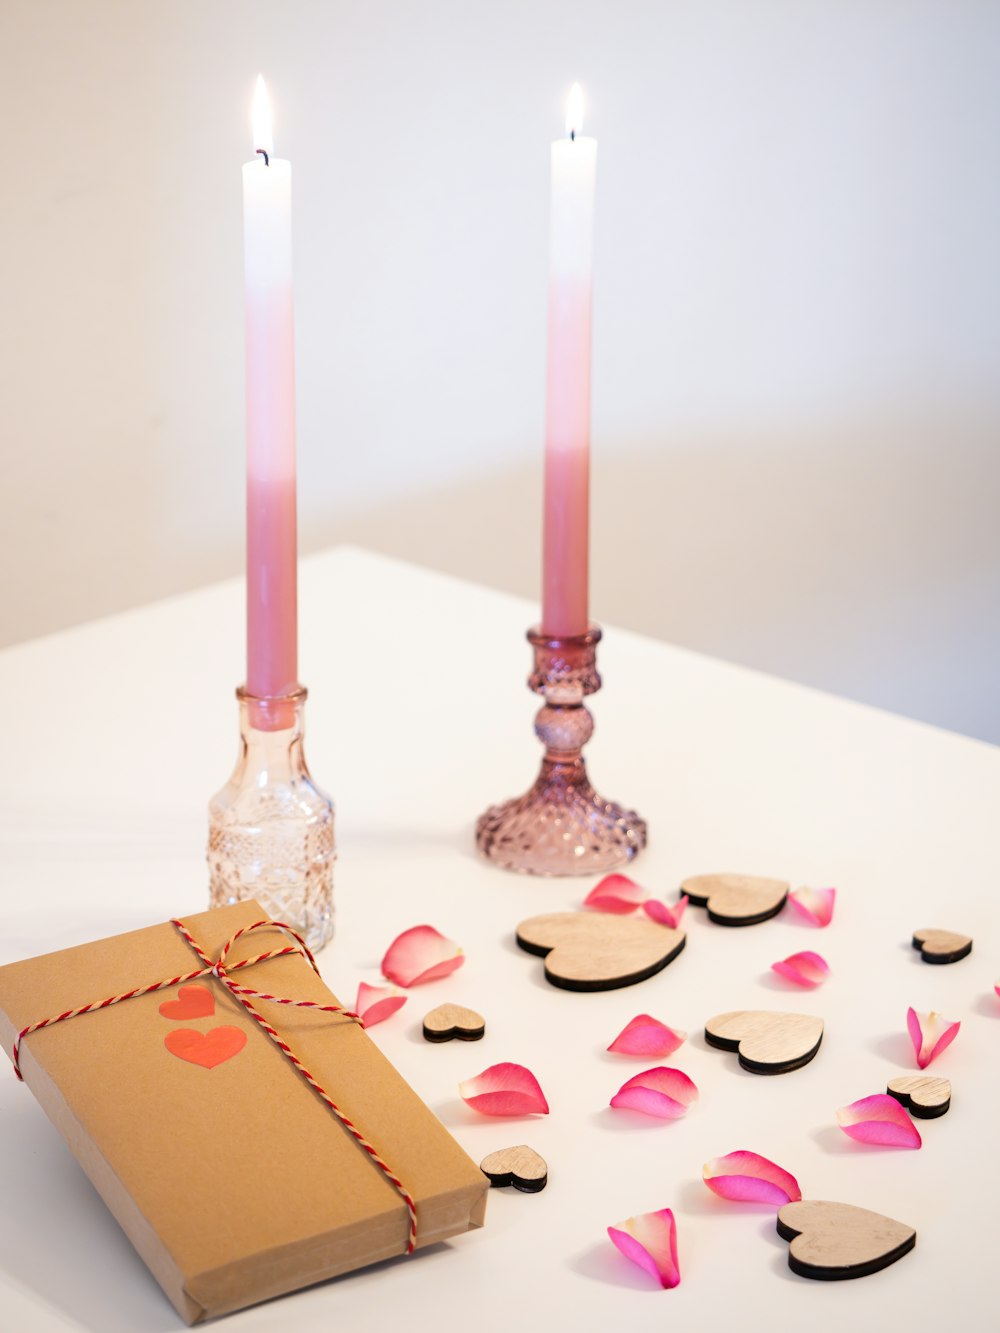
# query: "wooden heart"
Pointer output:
{"type": "Point", "coordinates": [766, 1041]}
{"type": "Point", "coordinates": [941, 946]}
{"type": "Point", "coordinates": [832, 1241]}
{"type": "Point", "coordinates": [923, 1095]}
{"type": "Point", "coordinates": [599, 951]}
{"type": "Point", "coordinates": [521, 1167]}
{"type": "Point", "coordinates": [453, 1020]}
{"type": "Point", "coordinates": [207, 1049]}
{"type": "Point", "coordinates": [737, 900]}
{"type": "Point", "coordinates": [191, 1002]}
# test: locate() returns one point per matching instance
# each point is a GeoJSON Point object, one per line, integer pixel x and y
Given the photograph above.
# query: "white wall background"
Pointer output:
{"type": "Point", "coordinates": [797, 323]}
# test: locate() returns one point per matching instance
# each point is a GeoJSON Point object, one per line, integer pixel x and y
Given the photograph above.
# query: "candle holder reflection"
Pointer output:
{"type": "Point", "coordinates": [270, 834]}
{"type": "Point", "coordinates": [561, 826]}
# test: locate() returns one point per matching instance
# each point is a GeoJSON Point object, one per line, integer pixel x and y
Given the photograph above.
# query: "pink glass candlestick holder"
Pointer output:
{"type": "Point", "coordinates": [270, 828]}
{"type": "Point", "coordinates": [561, 826]}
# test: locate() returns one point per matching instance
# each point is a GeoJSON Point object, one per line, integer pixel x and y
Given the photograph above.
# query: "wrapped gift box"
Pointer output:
{"type": "Point", "coordinates": [231, 1177]}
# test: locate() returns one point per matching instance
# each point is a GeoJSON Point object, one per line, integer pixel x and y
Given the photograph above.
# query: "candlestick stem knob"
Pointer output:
{"type": "Point", "coordinates": [561, 826]}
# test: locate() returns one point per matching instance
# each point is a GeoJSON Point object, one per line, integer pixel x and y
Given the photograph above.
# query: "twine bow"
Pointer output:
{"type": "Point", "coordinates": [221, 970]}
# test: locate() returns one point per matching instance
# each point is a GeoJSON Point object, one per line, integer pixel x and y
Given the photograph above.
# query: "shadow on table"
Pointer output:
{"type": "Point", "coordinates": [414, 840]}
{"type": "Point", "coordinates": [59, 1240]}
{"type": "Point", "coordinates": [696, 1198]}
{"type": "Point", "coordinates": [601, 1262]}
{"type": "Point", "coordinates": [894, 1046]}
{"type": "Point", "coordinates": [987, 1005]}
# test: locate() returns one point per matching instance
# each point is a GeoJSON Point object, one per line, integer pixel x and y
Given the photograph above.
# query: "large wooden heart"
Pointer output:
{"type": "Point", "coordinates": [599, 951]}
{"type": "Point", "coordinates": [736, 900]}
{"type": "Point", "coordinates": [767, 1042]}
{"type": "Point", "coordinates": [832, 1241]}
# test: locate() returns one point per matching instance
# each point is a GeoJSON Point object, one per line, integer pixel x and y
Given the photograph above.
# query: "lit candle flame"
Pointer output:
{"type": "Point", "coordinates": [263, 140]}
{"type": "Point", "coordinates": [574, 111]}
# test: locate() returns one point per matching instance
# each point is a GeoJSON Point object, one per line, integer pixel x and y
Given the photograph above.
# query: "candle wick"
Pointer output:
{"type": "Point", "coordinates": [572, 136]}
{"type": "Point", "coordinates": [263, 154]}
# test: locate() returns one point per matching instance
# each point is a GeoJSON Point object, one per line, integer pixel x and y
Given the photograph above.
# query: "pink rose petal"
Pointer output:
{"type": "Point", "coordinates": [750, 1178]}
{"type": "Point", "coordinates": [805, 969]}
{"type": "Point", "coordinates": [645, 1035]}
{"type": "Point", "coordinates": [666, 916]}
{"type": "Point", "coordinates": [421, 954]}
{"type": "Point", "coordinates": [930, 1034]}
{"type": "Point", "coordinates": [879, 1119]}
{"type": "Point", "coordinates": [616, 893]}
{"type": "Point", "coordinates": [650, 1240]}
{"type": "Point", "coordinates": [377, 1003]}
{"type": "Point", "coordinates": [665, 1093]}
{"type": "Point", "coordinates": [505, 1089]}
{"type": "Point", "coordinates": [816, 905]}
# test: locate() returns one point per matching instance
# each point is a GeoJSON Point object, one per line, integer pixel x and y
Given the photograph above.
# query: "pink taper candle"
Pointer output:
{"type": "Point", "coordinates": [567, 413]}
{"type": "Point", "coordinates": [272, 637]}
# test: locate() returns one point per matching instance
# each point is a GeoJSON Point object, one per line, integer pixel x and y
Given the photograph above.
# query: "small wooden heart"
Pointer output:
{"type": "Point", "coordinates": [599, 951]}
{"type": "Point", "coordinates": [191, 1002]}
{"type": "Point", "coordinates": [521, 1167]}
{"type": "Point", "coordinates": [923, 1095]}
{"type": "Point", "coordinates": [832, 1241]}
{"type": "Point", "coordinates": [767, 1042]}
{"type": "Point", "coordinates": [942, 946]}
{"type": "Point", "coordinates": [737, 900]}
{"type": "Point", "coordinates": [207, 1049]}
{"type": "Point", "coordinates": [453, 1020]}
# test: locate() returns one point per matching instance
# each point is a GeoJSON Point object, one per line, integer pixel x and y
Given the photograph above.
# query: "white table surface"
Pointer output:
{"type": "Point", "coordinates": [116, 734]}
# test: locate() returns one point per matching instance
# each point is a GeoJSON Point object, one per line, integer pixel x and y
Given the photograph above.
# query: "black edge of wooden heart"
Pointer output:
{"type": "Point", "coordinates": [526, 1184]}
{"type": "Point", "coordinates": [955, 956]}
{"type": "Point", "coordinates": [753, 1066]}
{"type": "Point", "coordinates": [613, 983]}
{"type": "Point", "coordinates": [455, 1034]}
{"type": "Point", "coordinates": [824, 1274]}
{"type": "Point", "coordinates": [920, 1112]}
{"type": "Point", "coordinates": [702, 901]}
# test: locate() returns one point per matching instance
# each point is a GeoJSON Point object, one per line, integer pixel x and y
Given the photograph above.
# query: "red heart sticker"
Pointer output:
{"type": "Point", "coordinates": [207, 1049]}
{"type": "Point", "coordinates": [191, 1002]}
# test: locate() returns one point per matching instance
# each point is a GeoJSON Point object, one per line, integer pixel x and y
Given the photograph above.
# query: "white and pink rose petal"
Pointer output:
{"type": "Point", "coordinates": [421, 954]}
{"type": "Point", "coordinates": [650, 1241]}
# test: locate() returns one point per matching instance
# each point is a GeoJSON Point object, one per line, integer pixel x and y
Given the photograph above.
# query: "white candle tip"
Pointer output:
{"type": "Point", "coordinates": [263, 139]}
{"type": "Point", "coordinates": [574, 111]}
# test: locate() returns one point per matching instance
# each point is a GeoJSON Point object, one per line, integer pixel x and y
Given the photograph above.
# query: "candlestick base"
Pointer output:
{"type": "Point", "coordinates": [561, 826]}
{"type": "Point", "coordinates": [270, 834]}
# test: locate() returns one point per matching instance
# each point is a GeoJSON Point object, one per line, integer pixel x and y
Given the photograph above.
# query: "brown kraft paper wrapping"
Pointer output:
{"type": "Point", "coordinates": [235, 1183]}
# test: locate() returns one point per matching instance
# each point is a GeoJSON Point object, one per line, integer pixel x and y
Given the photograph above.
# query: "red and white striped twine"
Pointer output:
{"type": "Point", "coordinates": [244, 994]}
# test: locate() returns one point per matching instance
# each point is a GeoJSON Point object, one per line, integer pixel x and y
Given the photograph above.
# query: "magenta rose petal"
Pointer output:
{"type": "Point", "coordinates": [881, 1120]}
{"type": "Point", "coordinates": [645, 1035]}
{"type": "Point", "coordinates": [664, 1093]}
{"type": "Point", "coordinates": [749, 1178]}
{"type": "Point", "coordinates": [421, 954]}
{"type": "Point", "coordinates": [616, 893]}
{"type": "Point", "coordinates": [804, 969]}
{"type": "Point", "coordinates": [815, 905]}
{"type": "Point", "coordinates": [650, 1240]}
{"type": "Point", "coordinates": [377, 1003]}
{"type": "Point", "coordinates": [505, 1089]}
{"type": "Point", "coordinates": [930, 1034]}
{"type": "Point", "coordinates": [664, 915]}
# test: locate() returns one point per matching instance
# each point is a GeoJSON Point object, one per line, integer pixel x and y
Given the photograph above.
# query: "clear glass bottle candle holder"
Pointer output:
{"type": "Point", "coordinates": [270, 828]}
